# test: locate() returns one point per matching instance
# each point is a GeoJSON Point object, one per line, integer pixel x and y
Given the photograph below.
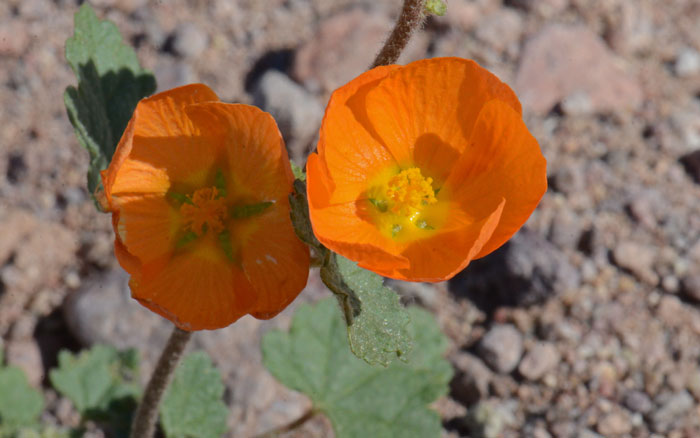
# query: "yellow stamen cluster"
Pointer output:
{"type": "Point", "coordinates": [207, 210]}
{"type": "Point", "coordinates": [409, 192]}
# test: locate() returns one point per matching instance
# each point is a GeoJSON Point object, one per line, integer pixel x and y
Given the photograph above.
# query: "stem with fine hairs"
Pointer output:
{"type": "Point", "coordinates": [289, 427]}
{"type": "Point", "coordinates": [144, 424]}
{"type": "Point", "coordinates": [411, 18]}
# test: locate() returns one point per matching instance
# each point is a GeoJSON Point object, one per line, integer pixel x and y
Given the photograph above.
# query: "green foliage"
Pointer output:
{"type": "Point", "coordinates": [102, 383]}
{"type": "Point", "coordinates": [436, 7]}
{"type": "Point", "coordinates": [359, 399]}
{"type": "Point", "coordinates": [192, 406]}
{"type": "Point", "coordinates": [110, 84]}
{"type": "Point", "coordinates": [47, 432]}
{"type": "Point", "coordinates": [297, 171]}
{"type": "Point", "coordinates": [377, 322]}
{"type": "Point", "coordinates": [20, 404]}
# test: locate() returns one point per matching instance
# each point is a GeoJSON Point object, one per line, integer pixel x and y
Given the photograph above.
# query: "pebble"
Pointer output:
{"type": "Point", "coordinates": [690, 287]}
{"type": "Point", "coordinates": [526, 270]}
{"type": "Point", "coordinates": [638, 401]}
{"type": "Point", "coordinates": [671, 409]}
{"type": "Point", "coordinates": [691, 163]}
{"type": "Point", "coordinates": [615, 424]}
{"type": "Point", "coordinates": [500, 29]}
{"type": "Point", "coordinates": [542, 358]}
{"type": "Point", "coordinates": [488, 419]}
{"type": "Point", "coordinates": [26, 355]}
{"type": "Point", "coordinates": [687, 63]}
{"type": "Point", "coordinates": [331, 57]}
{"type": "Point", "coordinates": [501, 348]}
{"type": "Point", "coordinates": [471, 382]}
{"type": "Point", "coordinates": [638, 259]}
{"type": "Point", "coordinates": [297, 113]}
{"type": "Point", "coordinates": [572, 62]}
{"type": "Point", "coordinates": [190, 41]}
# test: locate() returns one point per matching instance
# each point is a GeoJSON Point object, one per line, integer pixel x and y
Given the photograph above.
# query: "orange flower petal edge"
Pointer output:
{"type": "Point", "coordinates": [198, 191]}
{"type": "Point", "coordinates": [422, 168]}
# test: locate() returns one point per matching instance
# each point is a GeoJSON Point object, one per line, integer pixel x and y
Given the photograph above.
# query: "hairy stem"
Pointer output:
{"type": "Point", "coordinates": [411, 18]}
{"type": "Point", "coordinates": [147, 413]}
{"type": "Point", "coordinates": [289, 427]}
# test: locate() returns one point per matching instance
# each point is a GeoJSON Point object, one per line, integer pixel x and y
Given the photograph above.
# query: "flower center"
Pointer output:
{"type": "Point", "coordinates": [409, 192]}
{"type": "Point", "coordinates": [206, 210]}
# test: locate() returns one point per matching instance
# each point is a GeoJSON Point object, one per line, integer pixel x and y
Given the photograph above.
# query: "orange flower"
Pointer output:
{"type": "Point", "coordinates": [198, 191]}
{"type": "Point", "coordinates": [422, 168]}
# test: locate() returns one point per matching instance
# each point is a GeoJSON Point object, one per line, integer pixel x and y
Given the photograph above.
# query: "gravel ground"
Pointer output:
{"type": "Point", "coordinates": [587, 324]}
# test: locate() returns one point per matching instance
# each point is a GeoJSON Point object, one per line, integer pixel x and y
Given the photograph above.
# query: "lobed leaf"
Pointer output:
{"type": "Point", "coordinates": [377, 323]}
{"type": "Point", "coordinates": [192, 405]}
{"type": "Point", "coordinates": [102, 384]}
{"type": "Point", "coordinates": [110, 84]}
{"type": "Point", "coordinates": [359, 399]}
{"type": "Point", "coordinates": [20, 404]}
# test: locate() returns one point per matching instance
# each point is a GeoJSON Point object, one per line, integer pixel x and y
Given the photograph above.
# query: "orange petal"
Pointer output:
{"type": "Point", "coordinates": [126, 260]}
{"type": "Point", "coordinates": [147, 226]}
{"type": "Point", "coordinates": [194, 292]}
{"type": "Point", "coordinates": [443, 256]}
{"type": "Point", "coordinates": [348, 144]}
{"type": "Point", "coordinates": [257, 161]}
{"type": "Point", "coordinates": [159, 117]}
{"type": "Point", "coordinates": [275, 261]}
{"type": "Point", "coordinates": [502, 161]}
{"type": "Point", "coordinates": [341, 228]}
{"type": "Point", "coordinates": [425, 112]}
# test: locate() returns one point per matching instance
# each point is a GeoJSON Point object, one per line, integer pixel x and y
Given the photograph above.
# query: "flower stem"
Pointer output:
{"type": "Point", "coordinates": [411, 18]}
{"type": "Point", "coordinates": [289, 427]}
{"type": "Point", "coordinates": [144, 423]}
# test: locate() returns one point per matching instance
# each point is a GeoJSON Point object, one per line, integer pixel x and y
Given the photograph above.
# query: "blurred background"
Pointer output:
{"type": "Point", "coordinates": [587, 324]}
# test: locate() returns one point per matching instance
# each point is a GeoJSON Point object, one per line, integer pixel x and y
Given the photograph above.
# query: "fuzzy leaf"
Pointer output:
{"type": "Point", "coordinates": [110, 84]}
{"type": "Point", "coordinates": [20, 404]}
{"type": "Point", "coordinates": [377, 322]}
{"type": "Point", "coordinates": [361, 400]}
{"type": "Point", "coordinates": [102, 383]}
{"type": "Point", "coordinates": [193, 406]}
{"type": "Point", "coordinates": [299, 213]}
{"type": "Point", "coordinates": [436, 7]}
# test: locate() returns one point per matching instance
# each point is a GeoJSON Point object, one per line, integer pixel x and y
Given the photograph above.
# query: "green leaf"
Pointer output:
{"type": "Point", "coordinates": [436, 7]}
{"type": "Point", "coordinates": [110, 84]}
{"type": "Point", "coordinates": [193, 406]}
{"type": "Point", "coordinates": [20, 404]}
{"type": "Point", "coordinates": [359, 399]}
{"type": "Point", "coordinates": [102, 383]}
{"type": "Point", "coordinates": [297, 171]}
{"type": "Point", "coordinates": [300, 215]}
{"type": "Point", "coordinates": [377, 322]}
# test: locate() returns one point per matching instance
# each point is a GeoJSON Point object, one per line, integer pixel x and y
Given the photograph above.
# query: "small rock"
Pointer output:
{"type": "Point", "coordinates": [638, 259]}
{"type": "Point", "coordinates": [687, 63]}
{"type": "Point", "coordinates": [691, 163]}
{"type": "Point", "coordinates": [638, 401]}
{"type": "Point", "coordinates": [565, 231]}
{"type": "Point", "coordinates": [501, 348]}
{"type": "Point", "coordinates": [615, 424]}
{"type": "Point", "coordinates": [560, 62]}
{"type": "Point", "coordinates": [539, 360]}
{"type": "Point", "coordinates": [500, 29]}
{"type": "Point", "coordinates": [671, 410]}
{"type": "Point", "coordinates": [331, 57]}
{"type": "Point", "coordinates": [14, 38]}
{"type": "Point", "coordinates": [295, 110]}
{"type": "Point", "coordinates": [189, 40]}
{"type": "Point", "coordinates": [171, 73]}
{"type": "Point", "coordinates": [26, 355]}
{"type": "Point", "coordinates": [488, 419]}
{"type": "Point", "coordinates": [526, 270]}
{"type": "Point", "coordinates": [471, 382]}
{"type": "Point", "coordinates": [690, 287]}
